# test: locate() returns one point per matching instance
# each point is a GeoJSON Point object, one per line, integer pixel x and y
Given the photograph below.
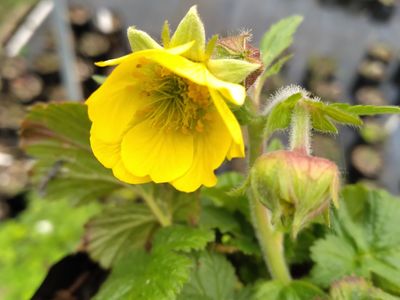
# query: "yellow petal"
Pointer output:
{"type": "Point", "coordinates": [211, 147]}
{"type": "Point", "coordinates": [236, 150]}
{"type": "Point", "coordinates": [111, 109]}
{"type": "Point", "coordinates": [198, 73]}
{"type": "Point", "coordinates": [162, 155]}
{"type": "Point", "coordinates": [229, 119]}
{"type": "Point", "coordinates": [174, 51]}
{"type": "Point", "coordinates": [124, 175]}
{"type": "Point", "coordinates": [108, 154]}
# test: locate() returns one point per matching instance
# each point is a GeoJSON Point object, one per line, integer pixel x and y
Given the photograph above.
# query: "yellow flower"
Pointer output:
{"type": "Point", "coordinates": [161, 115]}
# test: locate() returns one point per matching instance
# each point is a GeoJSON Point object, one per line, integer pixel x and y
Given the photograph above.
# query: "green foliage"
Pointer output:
{"type": "Point", "coordinates": [212, 279]}
{"type": "Point", "coordinates": [278, 38]}
{"type": "Point", "coordinates": [355, 288]}
{"type": "Point", "coordinates": [119, 230]}
{"type": "Point", "coordinates": [281, 114]}
{"type": "Point", "coordinates": [181, 238]}
{"type": "Point", "coordinates": [229, 214]}
{"type": "Point", "coordinates": [365, 242]}
{"type": "Point", "coordinates": [323, 114]}
{"type": "Point", "coordinates": [57, 135]}
{"type": "Point", "coordinates": [39, 237]}
{"type": "Point", "coordinates": [366, 110]}
{"type": "Point", "coordinates": [295, 290]}
{"type": "Point", "coordinates": [160, 274]}
{"type": "Point", "coordinates": [220, 194]}
{"type": "Point", "coordinates": [276, 67]}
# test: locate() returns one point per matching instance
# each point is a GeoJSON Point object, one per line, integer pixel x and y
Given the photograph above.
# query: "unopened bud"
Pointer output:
{"type": "Point", "coordinates": [295, 187]}
{"type": "Point", "coordinates": [239, 47]}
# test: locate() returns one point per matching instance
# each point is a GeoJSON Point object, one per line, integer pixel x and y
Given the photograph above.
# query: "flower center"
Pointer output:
{"type": "Point", "coordinates": [176, 103]}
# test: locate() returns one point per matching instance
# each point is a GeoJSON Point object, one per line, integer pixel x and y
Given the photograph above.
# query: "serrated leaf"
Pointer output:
{"type": "Point", "coordinates": [366, 110]}
{"type": "Point", "coordinates": [57, 135]}
{"type": "Point", "coordinates": [322, 123]}
{"type": "Point", "coordinates": [278, 38]}
{"type": "Point", "coordinates": [356, 288]}
{"type": "Point", "coordinates": [236, 231]}
{"type": "Point", "coordinates": [139, 275]}
{"type": "Point", "coordinates": [212, 279]}
{"type": "Point", "coordinates": [366, 241]}
{"type": "Point", "coordinates": [334, 113]}
{"type": "Point", "coordinates": [119, 230]}
{"type": "Point", "coordinates": [182, 238]}
{"type": "Point", "coordinates": [280, 116]}
{"type": "Point", "coordinates": [219, 194]}
{"type": "Point", "coordinates": [295, 290]}
{"type": "Point", "coordinates": [276, 67]}
{"type": "Point", "coordinates": [161, 274]}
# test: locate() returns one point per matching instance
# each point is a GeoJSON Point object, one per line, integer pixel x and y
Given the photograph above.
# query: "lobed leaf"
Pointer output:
{"type": "Point", "coordinates": [119, 230]}
{"type": "Point", "coordinates": [212, 279]}
{"type": "Point", "coordinates": [295, 290]}
{"type": "Point", "coordinates": [160, 274]}
{"type": "Point", "coordinates": [57, 135]}
{"type": "Point", "coordinates": [366, 240]}
{"type": "Point", "coordinates": [278, 38]}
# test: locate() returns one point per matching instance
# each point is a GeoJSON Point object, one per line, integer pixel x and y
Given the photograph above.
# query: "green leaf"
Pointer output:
{"type": "Point", "coordinates": [321, 122]}
{"type": "Point", "coordinates": [280, 116]}
{"type": "Point", "coordinates": [366, 110]}
{"type": "Point", "coordinates": [232, 70]}
{"type": "Point", "coordinates": [212, 279]}
{"type": "Point", "coordinates": [119, 230]}
{"type": "Point", "coordinates": [276, 67]}
{"type": "Point", "coordinates": [236, 232]}
{"type": "Point", "coordinates": [156, 276]}
{"type": "Point", "coordinates": [41, 235]}
{"type": "Point", "coordinates": [190, 29]}
{"type": "Point", "coordinates": [57, 135]}
{"type": "Point", "coordinates": [159, 275]}
{"type": "Point", "coordinates": [219, 194]}
{"type": "Point", "coordinates": [278, 38]}
{"type": "Point", "coordinates": [366, 240]}
{"type": "Point", "coordinates": [182, 238]}
{"type": "Point", "coordinates": [334, 113]}
{"type": "Point", "coordinates": [355, 288]}
{"type": "Point", "coordinates": [295, 290]}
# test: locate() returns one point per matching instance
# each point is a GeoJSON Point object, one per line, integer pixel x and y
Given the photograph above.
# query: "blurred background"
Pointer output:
{"type": "Point", "coordinates": [345, 51]}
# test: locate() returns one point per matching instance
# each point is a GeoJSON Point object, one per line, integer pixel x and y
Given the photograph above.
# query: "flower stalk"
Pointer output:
{"type": "Point", "coordinates": [269, 238]}
{"type": "Point", "coordinates": [300, 137]}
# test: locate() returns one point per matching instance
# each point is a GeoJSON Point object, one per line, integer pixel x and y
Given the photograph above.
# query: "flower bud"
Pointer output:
{"type": "Point", "coordinates": [239, 47]}
{"type": "Point", "coordinates": [295, 187]}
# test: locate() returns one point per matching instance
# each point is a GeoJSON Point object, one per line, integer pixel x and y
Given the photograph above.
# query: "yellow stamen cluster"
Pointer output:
{"type": "Point", "coordinates": [174, 103]}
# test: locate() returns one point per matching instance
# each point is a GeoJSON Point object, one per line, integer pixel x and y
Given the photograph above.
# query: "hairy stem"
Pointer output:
{"type": "Point", "coordinates": [300, 139]}
{"type": "Point", "coordinates": [270, 239]}
{"type": "Point", "coordinates": [162, 218]}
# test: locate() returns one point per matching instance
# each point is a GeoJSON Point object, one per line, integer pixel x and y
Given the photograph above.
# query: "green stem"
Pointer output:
{"type": "Point", "coordinates": [155, 209]}
{"type": "Point", "coordinates": [300, 139]}
{"type": "Point", "coordinates": [270, 240]}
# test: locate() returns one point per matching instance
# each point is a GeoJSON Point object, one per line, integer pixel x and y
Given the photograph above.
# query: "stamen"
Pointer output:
{"type": "Point", "coordinates": [175, 102]}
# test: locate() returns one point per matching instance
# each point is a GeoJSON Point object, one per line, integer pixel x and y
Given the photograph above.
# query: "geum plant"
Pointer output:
{"type": "Point", "coordinates": [160, 125]}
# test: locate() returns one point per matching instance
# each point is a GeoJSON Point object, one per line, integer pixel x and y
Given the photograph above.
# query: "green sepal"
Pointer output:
{"type": "Point", "coordinates": [210, 47]}
{"type": "Point", "coordinates": [190, 29]}
{"type": "Point", "coordinates": [166, 34]}
{"type": "Point", "coordinates": [232, 70]}
{"type": "Point", "coordinates": [140, 40]}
